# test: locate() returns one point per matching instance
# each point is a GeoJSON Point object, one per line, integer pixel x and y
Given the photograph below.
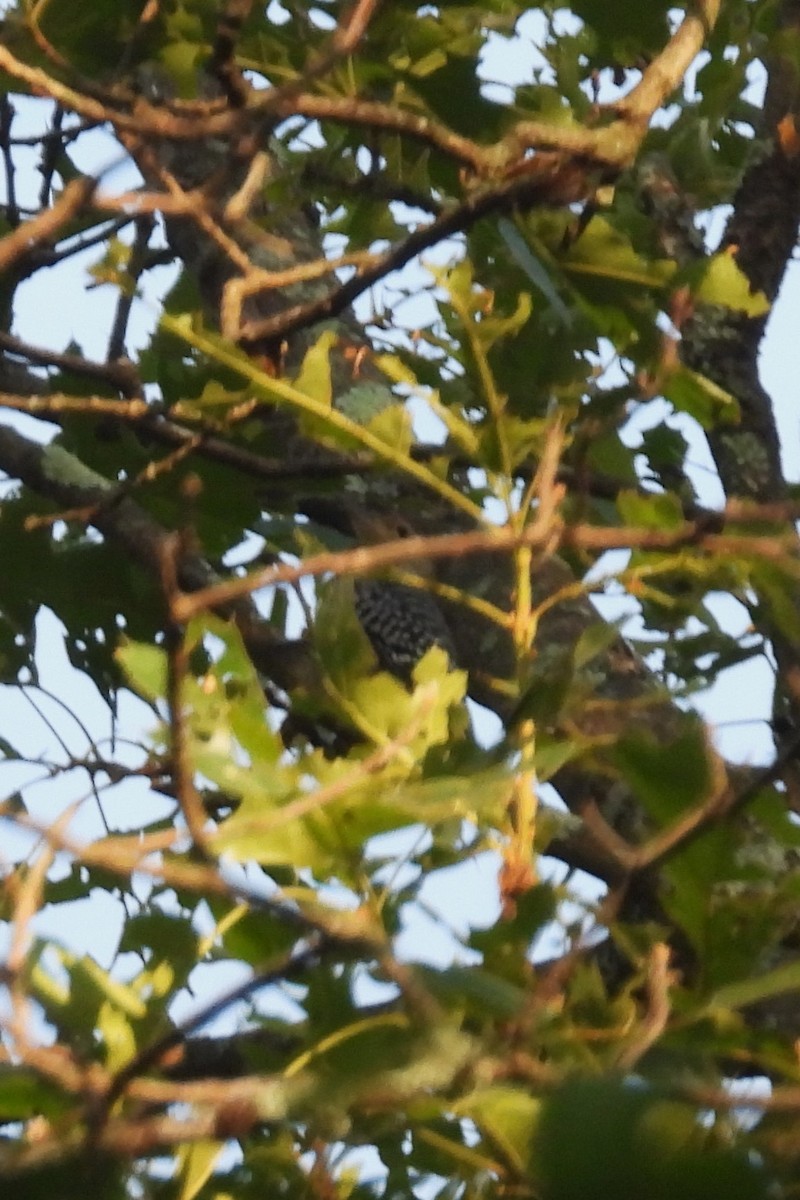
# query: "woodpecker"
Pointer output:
{"type": "Point", "coordinates": [402, 622]}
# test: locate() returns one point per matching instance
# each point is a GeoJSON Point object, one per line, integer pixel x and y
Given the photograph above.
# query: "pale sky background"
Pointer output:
{"type": "Point", "coordinates": [47, 314]}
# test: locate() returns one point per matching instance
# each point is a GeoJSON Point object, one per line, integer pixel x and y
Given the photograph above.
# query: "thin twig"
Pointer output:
{"type": "Point", "coordinates": [177, 672]}
{"type": "Point", "coordinates": [539, 535]}
{"type": "Point", "coordinates": [53, 146]}
{"type": "Point", "coordinates": [28, 901]}
{"type": "Point", "coordinates": [58, 404]}
{"type": "Point", "coordinates": [137, 264]}
{"type": "Point", "coordinates": [658, 1009]}
{"type": "Point", "coordinates": [6, 120]}
{"type": "Point", "coordinates": [47, 224]}
{"type": "Point", "coordinates": [222, 64]}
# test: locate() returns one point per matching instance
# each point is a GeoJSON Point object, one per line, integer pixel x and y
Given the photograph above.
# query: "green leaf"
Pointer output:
{"type": "Point", "coordinates": [657, 511]}
{"type": "Point", "coordinates": [507, 1116]}
{"type": "Point", "coordinates": [522, 439]}
{"type": "Point", "coordinates": [214, 397]}
{"type": "Point", "coordinates": [118, 1037]}
{"type": "Point", "coordinates": [393, 426]}
{"type": "Point", "coordinates": [666, 777]}
{"type": "Point", "coordinates": [196, 1164]}
{"type": "Point", "coordinates": [552, 754]}
{"type": "Point", "coordinates": [363, 402]}
{"type": "Point", "coordinates": [125, 999]}
{"type": "Point", "coordinates": [723, 282]}
{"type": "Point", "coordinates": [605, 1137]}
{"type": "Point", "coordinates": [534, 268]}
{"type": "Point", "coordinates": [604, 252]}
{"type": "Point", "coordinates": [450, 91]}
{"type": "Point", "coordinates": [145, 668]}
{"type": "Point", "coordinates": [505, 946]}
{"type": "Point", "coordinates": [484, 794]}
{"type": "Point", "coordinates": [253, 835]}
{"type": "Point", "coordinates": [250, 935]}
{"type": "Point", "coordinates": [343, 647]}
{"type": "Point", "coordinates": [95, 35]}
{"type": "Point", "coordinates": [627, 31]}
{"type": "Point", "coordinates": [752, 991]}
{"type": "Point", "coordinates": [25, 1094]}
{"type": "Point", "coordinates": [596, 638]}
{"type": "Point", "coordinates": [483, 994]}
{"type": "Point", "coordinates": [167, 936]}
{"type": "Point", "coordinates": [314, 378]}
{"type": "Point", "coordinates": [609, 455]}
{"type": "Point", "coordinates": [700, 397]}
{"type": "Point", "coordinates": [777, 595]}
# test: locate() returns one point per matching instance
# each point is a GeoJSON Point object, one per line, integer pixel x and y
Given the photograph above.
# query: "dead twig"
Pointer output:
{"type": "Point", "coordinates": [177, 671]}
{"type": "Point", "coordinates": [538, 535]}
{"type": "Point", "coordinates": [26, 237]}
{"type": "Point", "coordinates": [658, 1009]}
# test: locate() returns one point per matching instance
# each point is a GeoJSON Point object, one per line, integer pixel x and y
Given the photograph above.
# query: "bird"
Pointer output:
{"type": "Point", "coordinates": [402, 622]}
